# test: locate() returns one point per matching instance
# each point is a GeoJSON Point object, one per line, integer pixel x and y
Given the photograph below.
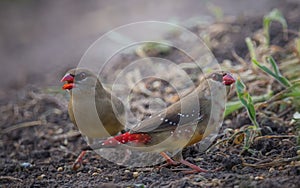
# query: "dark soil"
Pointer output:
{"type": "Point", "coordinates": [40, 149]}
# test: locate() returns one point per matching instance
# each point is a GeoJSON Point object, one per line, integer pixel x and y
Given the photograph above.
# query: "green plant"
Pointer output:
{"type": "Point", "coordinates": [292, 88]}
{"type": "Point", "coordinates": [247, 101]}
{"type": "Point", "coordinates": [233, 106]}
{"type": "Point", "coordinates": [250, 47]}
{"type": "Point", "coordinates": [274, 15]}
{"type": "Point", "coordinates": [252, 131]}
{"type": "Point", "coordinates": [297, 44]}
{"type": "Point", "coordinates": [275, 73]}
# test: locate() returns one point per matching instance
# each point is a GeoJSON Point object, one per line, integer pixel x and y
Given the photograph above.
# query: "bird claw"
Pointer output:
{"type": "Point", "coordinates": [76, 166]}
{"type": "Point", "coordinates": [78, 162]}
{"type": "Point", "coordinates": [195, 168]}
{"type": "Point", "coordinates": [170, 161]}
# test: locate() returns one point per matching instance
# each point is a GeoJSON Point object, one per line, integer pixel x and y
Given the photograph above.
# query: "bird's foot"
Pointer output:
{"type": "Point", "coordinates": [78, 162]}
{"type": "Point", "coordinates": [196, 169]}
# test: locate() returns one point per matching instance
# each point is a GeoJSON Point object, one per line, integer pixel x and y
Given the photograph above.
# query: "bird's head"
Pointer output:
{"type": "Point", "coordinates": [223, 77]}
{"type": "Point", "coordinates": [79, 78]}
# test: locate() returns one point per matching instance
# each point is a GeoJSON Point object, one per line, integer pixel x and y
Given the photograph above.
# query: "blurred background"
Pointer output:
{"type": "Point", "coordinates": [40, 40]}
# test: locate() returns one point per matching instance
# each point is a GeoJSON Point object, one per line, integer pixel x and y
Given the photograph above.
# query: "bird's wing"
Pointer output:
{"type": "Point", "coordinates": [159, 122]}
{"type": "Point", "coordinates": [189, 109]}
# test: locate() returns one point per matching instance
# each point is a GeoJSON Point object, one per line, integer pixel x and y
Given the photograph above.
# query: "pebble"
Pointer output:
{"type": "Point", "coordinates": [60, 169]}
{"type": "Point", "coordinates": [95, 174]}
{"type": "Point", "coordinates": [42, 176]}
{"type": "Point", "coordinates": [258, 178]}
{"type": "Point", "coordinates": [26, 165]}
{"type": "Point", "coordinates": [271, 170]}
{"type": "Point", "coordinates": [59, 175]}
{"type": "Point", "coordinates": [156, 84]}
{"type": "Point", "coordinates": [198, 159]}
{"type": "Point", "coordinates": [135, 174]}
{"type": "Point", "coordinates": [216, 182]}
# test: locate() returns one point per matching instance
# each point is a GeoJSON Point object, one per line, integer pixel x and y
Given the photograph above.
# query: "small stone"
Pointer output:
{"type": "Point", "coordinates": [98, 170]}
{"type": "Point", "coordinates": [298, 152]}
{"type": "Point", "coordinates": [198, 159]}
{"type": "Point", "coordinates": [127, 171]}
{"type": "Point", "coordinates": [139, 185]}
{"type": "Point", "coordinates": [42, 176]}
{"type": "Point", "coordinates": [156, 84]}
{"type": "Point", "coordinates": [59, 175]}
{"type": "Point", "coordinates": [60, 169]}
{"type": "Point", "coordinates": [215, 182]}
{"type": "Point", "coordinates": [271, 170]}
{"type": "Point", "coordinates": [258, 178]}
{"type": "Point", "coordinates": [228, 121]}
{"type": "Point", "coordinates": [297, 163]}
{"type": "Point", "coordinates": [26, 165]}
{"type": "Point", "coordinates": [135, 174]}
{"type": "Point", "coordinates": [95, 174]}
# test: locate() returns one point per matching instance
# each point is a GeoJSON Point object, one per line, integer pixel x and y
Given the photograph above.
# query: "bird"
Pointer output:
{"type": "Point", "coordinates": [180, 125]}
{"type": "Point", "coordinates": [95, 111]}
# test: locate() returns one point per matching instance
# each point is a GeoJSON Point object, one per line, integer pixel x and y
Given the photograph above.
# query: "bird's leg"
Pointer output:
{"type": "Point", "coordinates": [78, 162]}
{"type": "Point", "coordinates": [168, 159]}
{"type": "Point", "coordinates": [192, 166]}
{"type": "Point", "coordinates": [178, 157]}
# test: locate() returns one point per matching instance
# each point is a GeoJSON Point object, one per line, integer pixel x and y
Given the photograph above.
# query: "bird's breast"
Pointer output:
{"type": "Point", "coordinates": [87, 118]}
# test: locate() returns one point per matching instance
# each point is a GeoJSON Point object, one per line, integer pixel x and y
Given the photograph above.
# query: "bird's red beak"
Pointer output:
{"type": "Point", "coordinates": [228, 79]}
{"type": "Point", "coordinates": [70, 81]}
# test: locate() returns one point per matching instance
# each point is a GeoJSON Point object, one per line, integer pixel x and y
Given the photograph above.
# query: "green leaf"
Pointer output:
{"type": "Point", "coordinates": [233, 106]}
{"type": "Point", "coordinates": [275, 74]}
{"type": "Point", "coordinates": [246, 100]}
{"type": "Point", "coordinates": [274, 15]}
{"type": "Point", "coordinates": [279, 76]}
{"type": "Point", "coordinates": [250, 47]}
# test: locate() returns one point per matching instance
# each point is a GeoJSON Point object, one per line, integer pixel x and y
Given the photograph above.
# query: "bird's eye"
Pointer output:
{"type": "Point", "coordinates": [214, 76]}
{"type": "Point", "coordinates": [81, 76]}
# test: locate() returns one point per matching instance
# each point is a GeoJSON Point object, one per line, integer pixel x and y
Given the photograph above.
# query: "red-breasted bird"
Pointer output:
{"type": "Point", "coordinates": [182, 124]}
{"type": "Point", "coordinates": [93, 110]}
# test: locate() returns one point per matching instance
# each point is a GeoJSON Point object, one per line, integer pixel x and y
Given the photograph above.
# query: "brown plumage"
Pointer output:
{"type": "Point", "coordinates": [182, 124]}
{"type": "Point", "coordinates": [93, 110]}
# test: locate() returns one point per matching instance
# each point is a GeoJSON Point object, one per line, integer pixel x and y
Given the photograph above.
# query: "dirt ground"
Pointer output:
{"type": "Point", "coordinates": [38, 143]}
